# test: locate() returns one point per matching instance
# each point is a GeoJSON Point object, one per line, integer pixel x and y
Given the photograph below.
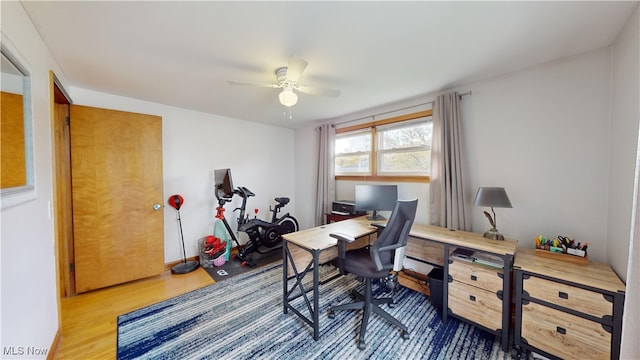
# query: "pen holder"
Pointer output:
{"type": "Point", "coordinates": [578, 260]}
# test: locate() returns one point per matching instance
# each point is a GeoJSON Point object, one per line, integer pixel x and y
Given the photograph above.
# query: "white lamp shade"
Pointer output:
{"type": "Point", "coordinates": [288, 97]}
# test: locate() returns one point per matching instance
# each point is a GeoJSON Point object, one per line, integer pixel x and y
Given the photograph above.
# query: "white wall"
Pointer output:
{"type": "Point", "coordinates": [541, 133]}
{"type": "Point", "coordinates": [625, 112]}
{"type": "Point", "coordinates": [194, 144]}
{"type": "Point", "coordinates": [29, 309]}
{"type": "Point", "coordinates": [306, 162]}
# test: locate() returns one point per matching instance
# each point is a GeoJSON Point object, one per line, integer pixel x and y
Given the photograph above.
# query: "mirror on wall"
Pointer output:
{"type": "Point", "coordinates": [16, 141]}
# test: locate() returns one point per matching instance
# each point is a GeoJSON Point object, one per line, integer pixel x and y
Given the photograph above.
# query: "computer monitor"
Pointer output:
{"type": "Point", "coordinates": [376, 198]}
{"type": "Point", "coordinates": [224, 184]}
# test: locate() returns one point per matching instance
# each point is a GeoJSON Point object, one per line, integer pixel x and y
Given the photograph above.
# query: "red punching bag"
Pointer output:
{"type": "Point", "coordinates": [176, 201]}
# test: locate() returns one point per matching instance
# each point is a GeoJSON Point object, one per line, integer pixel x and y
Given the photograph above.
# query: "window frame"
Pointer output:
{"type": "Point", "coordinates": [373, 158]}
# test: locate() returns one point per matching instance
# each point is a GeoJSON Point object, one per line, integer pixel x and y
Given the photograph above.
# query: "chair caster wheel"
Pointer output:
{"type": "Point", "coordinates": [391, 305]}
{"type": "Point", "coordinates": [361, 345]}
{"type": "Point", "coordinates": [405, 335]}
{"type": "Point", "coordinates": [331, 314]}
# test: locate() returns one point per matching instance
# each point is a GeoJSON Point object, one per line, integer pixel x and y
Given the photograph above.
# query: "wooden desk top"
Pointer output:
{"type": "Point", "coordinates": [595, 274]}
{"type": "Point", "coordinates": [464, 238]}
{"type": "Point", "coordinates": [318, 238]}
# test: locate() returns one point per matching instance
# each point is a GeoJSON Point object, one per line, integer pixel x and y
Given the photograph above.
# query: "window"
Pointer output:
{"type": "Point", "coordinates": [405, 149]}
{"type": "Point", "coordinates": [353, 153]}
{"type": "Point", "coordinates": [392, 149]}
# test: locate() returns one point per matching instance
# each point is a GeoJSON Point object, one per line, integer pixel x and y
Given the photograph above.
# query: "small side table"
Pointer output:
{"type": "Point", "coordinates": [567, 310]}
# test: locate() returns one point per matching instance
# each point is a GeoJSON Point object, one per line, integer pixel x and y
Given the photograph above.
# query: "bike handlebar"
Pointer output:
{"type": "Point", "coordinates": [243, 192]}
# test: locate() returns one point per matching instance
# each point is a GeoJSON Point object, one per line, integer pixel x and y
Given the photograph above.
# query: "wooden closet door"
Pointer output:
{"type": "Point", "coordinates": [116, 173]}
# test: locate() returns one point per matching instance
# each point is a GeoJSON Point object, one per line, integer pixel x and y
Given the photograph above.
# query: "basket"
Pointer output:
{"type": "Point", "coordinates": [209, 261]}
{"type": "Point", "coordinates": [205, 260]}
{"type": "Point", "coordinates": [220, 260]}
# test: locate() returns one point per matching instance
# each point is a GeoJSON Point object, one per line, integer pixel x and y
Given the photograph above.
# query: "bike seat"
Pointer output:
{"type": "Point", "coordinates": [282, 200]}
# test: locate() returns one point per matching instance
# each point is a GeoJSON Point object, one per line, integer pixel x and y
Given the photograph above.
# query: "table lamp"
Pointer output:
{"type": "Point", "coordinates": [492, 197]}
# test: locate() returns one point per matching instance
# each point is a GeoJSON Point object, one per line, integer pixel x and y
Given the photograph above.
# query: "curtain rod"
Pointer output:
{"type": "Point", "coordinates": [464, 94]}
{"type": "Point", "coordinates": [382, 113]}
{"type": "Point", "coordinates": [392, 111]}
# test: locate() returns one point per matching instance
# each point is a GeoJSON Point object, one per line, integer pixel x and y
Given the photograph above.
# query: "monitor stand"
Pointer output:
{"type": "Point", "coordinates": [376, 216]}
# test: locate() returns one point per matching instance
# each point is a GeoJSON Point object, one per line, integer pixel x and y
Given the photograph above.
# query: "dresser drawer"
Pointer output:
{"type": "Point", "coordinates": [429, 251]}
{"type": "Point", "coordinates": [476, 275]}
{"type": "Point", "coordinates": [570, 297]}
{"type": "Point", "coordinates": [477, 305]}
{"type": "Point", "coordinates": [564, 335]}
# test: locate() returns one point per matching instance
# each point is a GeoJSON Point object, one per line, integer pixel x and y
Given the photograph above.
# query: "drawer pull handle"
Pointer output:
{"type": "Point", "coordinates": [472, 298]}
{"type": "Point", "coordinates": [561, 330]}
{"type": "Point", "coordinates": [563, 295]}
{"type": "Point", "coordinates": [474, 278]}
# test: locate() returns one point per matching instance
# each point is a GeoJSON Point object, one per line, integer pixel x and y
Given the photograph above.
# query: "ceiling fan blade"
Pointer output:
{"type": "Point", "coordinates": [318, 91]}
{"type": "Point", "coordinates": [241, 83]}
{"type": "Point", "coordinates": [295, 68]}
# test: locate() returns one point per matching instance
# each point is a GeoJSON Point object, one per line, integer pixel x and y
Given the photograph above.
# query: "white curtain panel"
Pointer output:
{"type": "Point", "coordinates": [326, 184]}
{"type": "Point", "coordinates": [447, 190]}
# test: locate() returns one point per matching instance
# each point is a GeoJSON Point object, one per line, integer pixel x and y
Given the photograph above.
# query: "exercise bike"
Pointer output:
{"type": "Point", "coordinates": [261, 233]}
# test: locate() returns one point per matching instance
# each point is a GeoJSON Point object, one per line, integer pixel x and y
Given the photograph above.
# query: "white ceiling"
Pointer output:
{"type": "Point", "coordinates": [183, 53]}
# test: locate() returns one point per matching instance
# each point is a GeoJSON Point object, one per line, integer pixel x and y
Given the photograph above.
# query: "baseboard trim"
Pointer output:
{"type": "Point", "coordinates": [54, 345]}
{"type": "Point", "coordinates": [168, 266]}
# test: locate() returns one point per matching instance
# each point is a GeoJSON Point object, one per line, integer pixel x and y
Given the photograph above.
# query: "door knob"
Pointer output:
{"type": "Point", "coordinates": [157, 207]}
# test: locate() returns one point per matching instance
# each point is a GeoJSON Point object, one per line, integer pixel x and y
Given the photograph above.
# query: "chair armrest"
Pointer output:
{"type": "Point", "coordinates": [375, 253]}
{"type": "Point", "coordinates": [343, 239]}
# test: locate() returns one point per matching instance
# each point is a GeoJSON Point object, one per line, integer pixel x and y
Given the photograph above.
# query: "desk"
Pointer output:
{"type": "Point", "coordinates": [314, 240]}
{"type": "Point", "coordinates": [467, 279]}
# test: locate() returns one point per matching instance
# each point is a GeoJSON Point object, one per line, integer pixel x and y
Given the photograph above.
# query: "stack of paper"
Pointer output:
{"type": "Point", "coordinates": [463, 254]}
{"type": "Point", "coordinates": [488, 259]}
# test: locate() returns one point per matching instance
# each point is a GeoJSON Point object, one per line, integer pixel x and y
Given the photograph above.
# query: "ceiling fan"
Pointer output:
{"type": "Point", "coordinates": [287, 79]}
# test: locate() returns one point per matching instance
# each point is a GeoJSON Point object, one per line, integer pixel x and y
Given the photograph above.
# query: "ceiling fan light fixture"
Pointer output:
{"type": "Point", "coordinates": [287, 97]}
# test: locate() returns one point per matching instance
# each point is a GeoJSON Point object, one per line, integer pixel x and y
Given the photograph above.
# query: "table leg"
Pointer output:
{"type": "Point", "coordinates": [445, 284]}
{"type": "Point", "coordinates": [506, 301]}
{"type": "Point", "coordinates": [316, 296]}
{"type": "Point", "coordinates": [288, 294]}
{"type": "Point", "coordinates": [285, 275]}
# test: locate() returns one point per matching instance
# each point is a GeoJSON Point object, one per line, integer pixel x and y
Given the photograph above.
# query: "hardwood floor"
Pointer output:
{"type": "Point", "coordinates": [89, 320]}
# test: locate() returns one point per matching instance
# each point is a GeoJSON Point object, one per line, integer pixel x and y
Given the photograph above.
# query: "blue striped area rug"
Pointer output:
{"type": "Point", "coordinates": [242, 318]}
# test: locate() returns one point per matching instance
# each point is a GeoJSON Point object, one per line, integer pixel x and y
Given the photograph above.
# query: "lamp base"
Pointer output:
{"type": "Point", "coordinates": [185, 267]}
{"type": "Point", "coordinates": [493, 234]}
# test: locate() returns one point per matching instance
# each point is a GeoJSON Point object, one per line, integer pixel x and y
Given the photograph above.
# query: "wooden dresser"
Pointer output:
{"type": "Point", "coordinates": [566, 310]}
{"type": "Point", "coordinates": [475, 293]}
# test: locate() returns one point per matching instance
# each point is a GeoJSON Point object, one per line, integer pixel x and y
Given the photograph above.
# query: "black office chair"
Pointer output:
{"type": "Point", "coordinates": [376, 262]}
